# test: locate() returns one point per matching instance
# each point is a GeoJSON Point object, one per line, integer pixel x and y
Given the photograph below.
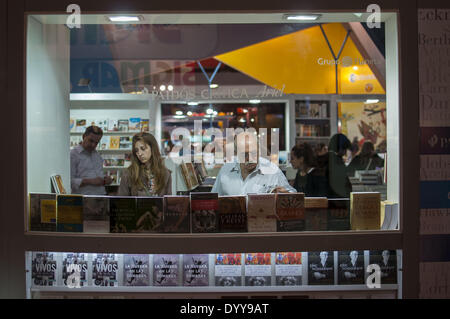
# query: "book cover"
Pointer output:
{"type": "Point", "coordinates": [338, 216]}
{"type": "Point", "coordinates": [351, 267]}
{"type": "Point", "coordinates": [258, 269]}
{"type": "Point", "coordinates": [136, 270]}
{"type": "Point", "coordinates": [150, 213]}
{"type": "Point", "coordinates": [113, 125]}
{"type": "Point", "coordinates": [103, 124]}
{"type": "Point", "coordinates": [144, 125]}
{"type": "Point", "coordinates": [72, 125]}
{"type": "Point", "coordinates": [204, 212]}
{"type": "Point", "coordinates": [165, 270]}
{"type": "Point", "coordinates": [122, 214]}
{"type": "Point", "coordinates": [228, 270]}
{"type": "Point", "coordinates": [104, 270]}
{"type": "Point", "coordinates": [123, 125]}
{"type": "Point", "coordinates": [69, 213]}
{"type": "Point", "coordinates": [189, 175]}
{"type": "Point", "coordinates": [42, 212]}
{"type": "Point", "coordinates": [321, 268]}
{"type": "Point", "coordinates": [80, 125]}
{"type": "Point", "coordinates": [290, 212]}
{"type": "Point", "coordinates": [261, 213]}
{"type": "Point", "coordinates": [365, 210]}
{"type": "Point", "coordinates": [288, 269]}
{"type": "Point", "coordinates": [114, 142]}
{"type": "Point", "coordinates": [125, 142]}
{"type": "Point", "coordinates": [104, 143]}
{"type": "Point", "coordinates": [134, 124]}
{"type": "Point", "coordinates": [95, 214]}
{"type": "Point", "coordinates": [43, 269]}
{"type": "Point", "coordinates": [74, 269]}
{"type": "Point", "coordinates": [387, 260]}
{"type": "Point", "coordinates": [316, 211]}
{"type": "Point", "coordinates": [176, 214]}
{"type": "Point", "coordinates": [232, 214]}
{"type": "Point", "coordinates": [196, 270]}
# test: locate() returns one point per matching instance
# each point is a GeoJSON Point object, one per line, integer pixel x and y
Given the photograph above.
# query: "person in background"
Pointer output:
{"type": "Point", "coordinates": [250, 173]}
{"type": "Point", "coordinates": [366, 160]}
{"type": "Point", "coordinates": [338, 183]}
{"type": "Point", "coordinates": [86, 165]}
{"type": "Point", "coordinates": [309, 179]}
{"type": "Point", "coordinates": [147, 175]}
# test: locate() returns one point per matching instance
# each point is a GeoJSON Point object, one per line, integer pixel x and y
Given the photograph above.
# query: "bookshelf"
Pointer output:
{"type": "Point", "coordinates": [312, 121]}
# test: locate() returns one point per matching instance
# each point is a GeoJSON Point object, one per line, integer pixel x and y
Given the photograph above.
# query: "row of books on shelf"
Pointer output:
{"type": "Point", "coordinates": [106, 142]}
{"type": "Point", "coordinates": [77, 270]}
{"type": "Point", "coordinates": [132, 124]}
{"type": "Point", "coordinates": [303, 130]}
{"type": "Point", "coordinates": [208, 213]}
{"type": "Point", "coordinates": [311, 109]}
{"type": "Point", "coordinates": [116, 160]}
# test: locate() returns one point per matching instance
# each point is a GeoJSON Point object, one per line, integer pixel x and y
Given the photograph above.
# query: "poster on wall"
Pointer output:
{"type": "Point", "coordinates": [362, 122]}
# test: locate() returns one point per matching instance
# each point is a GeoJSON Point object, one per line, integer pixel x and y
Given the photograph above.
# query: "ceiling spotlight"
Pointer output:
{"type": "Point", "coordinates": [162, 87]}
{"type": "Point", "coordinates": [179, 112]}
{"type": "Point", "coordinates": [193, 103]}
{"type": "Point", "coordinates": [129, 18]}
{"type": "Point", "coordinates": [209, 111]}
{"type": "Point", "coordinates": [170, 87]}
{"type": "Point", "coordinates": [302, 17]}
{"type": "Point", "coordinates": [214, 86]}
{"type": "Point", "coordinates": [242, 120]}
{"type": "Point", "coordinates": [255, 101]}
{"type": "Point", "coordinates": [189, 113]}
{"type": "Point", "coordinates": [355, 68]}
{"type": "Point", "coordinates": [370, 101]}
{"type": "Point", "coordinates": [245, 110]}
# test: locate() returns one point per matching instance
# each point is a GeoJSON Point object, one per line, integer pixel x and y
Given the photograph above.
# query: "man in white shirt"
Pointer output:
{"type": "Point", "coordinates": [250, 176]}
{"type": "Point", "coordinates": [86, 165]}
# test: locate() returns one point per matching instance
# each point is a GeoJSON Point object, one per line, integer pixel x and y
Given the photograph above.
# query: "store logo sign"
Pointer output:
{"type": "Point", "coordinates": [374, 279]}
{"type": "Point", "coordinates": [373, 20]}
{"type": "Point", "coordinates": [73, 20]}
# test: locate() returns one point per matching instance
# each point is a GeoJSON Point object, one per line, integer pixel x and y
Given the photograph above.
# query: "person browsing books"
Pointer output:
{"type": "Point", "coordinates": [250, 173]}
{"type": "Point", "coordinates": [147, 175]}
{"type": "Point", "coordinates": [86, 165]}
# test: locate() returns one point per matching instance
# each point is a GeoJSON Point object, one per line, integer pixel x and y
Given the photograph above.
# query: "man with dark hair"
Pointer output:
{"type": "Point", "coordinates": [86, 165]}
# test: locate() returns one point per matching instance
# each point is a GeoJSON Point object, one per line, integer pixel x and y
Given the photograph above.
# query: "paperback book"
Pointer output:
{"type": "Point", "coordinates": [204, 212]}
{"type": "Point", "coordinates": [123, 125]}
{"type": "Point", "coordinates": [95, 214]}
{"type": "Point", "coordinates": [69, 213]}
{"type": "Point", "coordinates": [258, 269]}
{"type": "Point", "coordinates": [365, 210]}
{"type": "Point", "coordinates": [122, 214]}
{"type": "Point", "coordinates": [387, 260]}
{"type": "Point", "coordinates": [261, 213]}
{"type": "Point", "coordinates": [74, 270]}
{"type": "Point", "coordinates": [288, 269]}
{"type": "Point", "coordinates": [290, 212]}
{"type": "Point", "coordinates": [228, 270]}
{"type": "Point", "coordinates": [195, 270]}
{"type": "Point", "coordinates": [136, 270]}
{"type": "Point", "coordinates": [351, 267]}
{"type": "Point", "coordinates": [104, 270]}
{"type": "Point", "coordinates": [42, 212]}
{"type": "Point", "coordinates": [321, 268]}
{"type": "Point", "coordinates": [43, 267]}
{"type": "Point", "coordinates": [165, 270]}
{"type": "Point", "coordinates": [176, 214]}
{"type": "Point", "coordinates": [232, 214]}
{"type": "Point", "coordinates": [149, 218]}
{"type": "Point", "coordinates": [134, 124]}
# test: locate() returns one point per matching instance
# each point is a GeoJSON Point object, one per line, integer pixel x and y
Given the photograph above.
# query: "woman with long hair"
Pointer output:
{"type": "Point", "coordinates": [147, 175]}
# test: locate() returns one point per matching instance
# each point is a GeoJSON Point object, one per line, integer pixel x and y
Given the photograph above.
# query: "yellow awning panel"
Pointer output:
{"type": "Point", "coordinates": [302, 63]}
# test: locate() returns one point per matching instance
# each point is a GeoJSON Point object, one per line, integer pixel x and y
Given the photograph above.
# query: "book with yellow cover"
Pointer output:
{"type": "Point", "coordinates": [69, 213]}
{"type": "Point", "coordinates": [114, 142]}
{"type": "Point", "coordinates": [42, 212]}
{"type": "Point", "coordinates": [365, 210]}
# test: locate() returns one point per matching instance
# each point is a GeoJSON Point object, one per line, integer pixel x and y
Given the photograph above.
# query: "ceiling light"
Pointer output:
{"type": "Point", "coordinates": [252, 120]}
{"type": "Point", "coordinates": [193, 103]}
{"type": "Point", "coordinates": [162, 87]}
{"type": "Point", "coordinates": [125, 18]}
{"type": "Point", "coordinates": [302, 17]}
{"type": "Point", "coordinates": [245, 110]}
{"type": "Point", "coordinates": [213, 86]}
{"type": "Point", "coordinates": [179, 112]}
{"type": "Point", "coordinates": [215, 113]}
{"type": "Point", "coordinates": [170, 88]}
{"type": "Point", "coordinates": [370, 101]}
{"type": "Point", "coordinates": [209, 111]}
{"type": "Point", "coordinates": [242, 120]}
{"type": "Point", "coordinates": [255, 101]}
{"type": "Point", "coordinates": [355, 68]}
{"type": "Point", "coordinates": [189, 113]}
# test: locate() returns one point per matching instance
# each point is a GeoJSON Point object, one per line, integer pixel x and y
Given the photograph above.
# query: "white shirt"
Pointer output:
{"type": "Point", "coordinates": [84, 164]}
{"type": "Point", "coordinates": [263, 179]}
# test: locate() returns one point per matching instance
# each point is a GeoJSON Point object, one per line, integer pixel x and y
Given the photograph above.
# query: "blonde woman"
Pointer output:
{"type": "Point", "coordinates": [147, 175]}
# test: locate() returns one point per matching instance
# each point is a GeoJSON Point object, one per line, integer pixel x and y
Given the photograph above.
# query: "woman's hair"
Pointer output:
{"type": "Point", "coordinates": [305, 151]}
{"type": "Point", "coordinates": [367, 149]}
{"type": "Point", "coordinates": [339, 143]}
{"type": "Point", "coordinates": [157, 167]}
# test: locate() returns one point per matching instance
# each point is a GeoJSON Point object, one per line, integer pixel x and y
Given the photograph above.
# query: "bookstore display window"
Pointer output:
{"type": "Point", "coordinates": [104, 75]}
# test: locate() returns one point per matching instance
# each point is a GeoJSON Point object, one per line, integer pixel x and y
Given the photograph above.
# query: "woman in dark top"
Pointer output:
{"type": "Point", "coordinates": [338, 182]}
{"type": "Point", "coordinates": [366, 160]}
{"type": "Point", "coordinates": [309, 179]}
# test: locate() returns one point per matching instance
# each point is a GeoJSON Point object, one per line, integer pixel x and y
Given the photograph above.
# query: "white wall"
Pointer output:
{"type": "Point", "coordinates": [48, 91]}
